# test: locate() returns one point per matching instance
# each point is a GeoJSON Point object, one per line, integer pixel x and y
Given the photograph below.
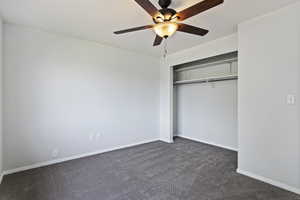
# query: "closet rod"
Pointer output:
{"type": "Point", "coordinates": [207, 80]}
{"type": "Point", "coordinates": [207, 64]}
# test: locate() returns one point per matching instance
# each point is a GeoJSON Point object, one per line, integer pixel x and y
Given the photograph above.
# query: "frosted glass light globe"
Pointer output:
{"type": "Point", "coordinates": [165, 29]}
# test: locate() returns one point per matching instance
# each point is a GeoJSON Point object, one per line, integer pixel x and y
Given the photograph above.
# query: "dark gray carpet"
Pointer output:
{"type": "Point", "coordinates": [185, 170]}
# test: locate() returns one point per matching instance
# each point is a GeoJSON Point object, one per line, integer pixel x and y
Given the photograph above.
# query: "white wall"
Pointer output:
{"type": "Point", "coordinates": [1, 68]}
{"type": "Point", "coordinates": [166, 103]}
{"type": "Point", "coordinates": [59, 91]}
{"type": "Point", "coordinates": [209, 49]}
{"type": "Point", "coordinates": [208, 113]}
{"type": "Point", "coordinates": [213, 48]}
{"type": "Point", "coordinates": [269, 70]}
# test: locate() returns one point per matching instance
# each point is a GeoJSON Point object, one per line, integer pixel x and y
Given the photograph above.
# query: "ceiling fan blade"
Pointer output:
{"type": "Point", "coordinates": [157, 40]}
{"type": "Point", "coordinates": [133, 29]}
{"type": "Point", "coordinates": [148, 6]}
{"type": "Point", "coordinates": [198, 8]}
{"type": "Point", "coordinates": [192, 29]}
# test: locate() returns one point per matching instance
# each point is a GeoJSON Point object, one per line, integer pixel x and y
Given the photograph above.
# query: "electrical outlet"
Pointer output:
{"type": "Point", "coordinates": [98, 135]}
{"type": "Point", "coordinates": [55, 153]}
{"type": "Point", "coordinates": [94, 136]}
{"type": "Point", "coordinates": [91, 137]}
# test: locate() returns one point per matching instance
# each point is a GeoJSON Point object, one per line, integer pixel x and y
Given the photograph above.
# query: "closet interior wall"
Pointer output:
{"type": "Point", "coordinates": [205, 101]}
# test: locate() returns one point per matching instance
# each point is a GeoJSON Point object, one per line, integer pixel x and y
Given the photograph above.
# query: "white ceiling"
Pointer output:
{"type": "Point", "coordinates": [97, 19]}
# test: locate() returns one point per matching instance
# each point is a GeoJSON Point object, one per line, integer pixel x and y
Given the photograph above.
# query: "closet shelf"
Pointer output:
{"type": "Point", "coordinates": [208, 79]}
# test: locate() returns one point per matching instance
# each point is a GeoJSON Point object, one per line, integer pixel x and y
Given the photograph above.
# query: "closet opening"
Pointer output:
{"type": "Point", "coordinates": [205, 100]}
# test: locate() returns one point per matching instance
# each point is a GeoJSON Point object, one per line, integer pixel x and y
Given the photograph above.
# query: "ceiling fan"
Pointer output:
{"type": "Point", "coordinates": [167, 20]}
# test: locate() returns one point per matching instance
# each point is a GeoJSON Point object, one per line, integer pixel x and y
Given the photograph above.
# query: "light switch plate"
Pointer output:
{"type": "Point", "coordinates": [291, 99]}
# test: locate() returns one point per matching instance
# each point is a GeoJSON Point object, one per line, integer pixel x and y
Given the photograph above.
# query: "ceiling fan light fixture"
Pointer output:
{"type": "Point", "coordinates": [165, 29]}
{"type": "Point", "coordinates": [167, 20]}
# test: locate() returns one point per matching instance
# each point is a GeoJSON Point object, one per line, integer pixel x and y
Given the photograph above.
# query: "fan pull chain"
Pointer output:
{"type": "Point", "coordinates": [165, 48]}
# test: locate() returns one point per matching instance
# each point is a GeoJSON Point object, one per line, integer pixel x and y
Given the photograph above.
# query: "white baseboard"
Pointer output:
{"type": "Point", "coordinates": [167, 141]}
{"type": "Point", "coordinates": [51, 162]}
{"type": "Point", "coordinates": [210, 143]}
{"type": "Point", "coordinates": [269, 181]}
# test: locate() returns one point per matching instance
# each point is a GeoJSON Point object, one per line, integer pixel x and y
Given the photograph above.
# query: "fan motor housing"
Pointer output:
{"type": "Point", "coordinates": [168, 11]}
{"type": "Point", "coordinates": [167, 14]}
